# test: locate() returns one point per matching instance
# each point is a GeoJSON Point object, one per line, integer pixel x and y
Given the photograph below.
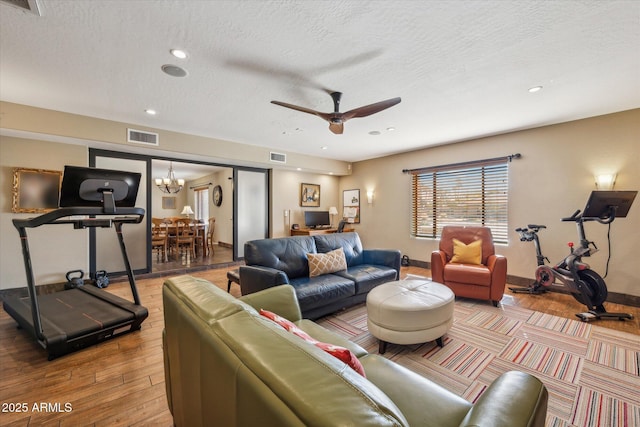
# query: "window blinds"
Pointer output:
{"type": "Point", "coordinates": [469, 195]}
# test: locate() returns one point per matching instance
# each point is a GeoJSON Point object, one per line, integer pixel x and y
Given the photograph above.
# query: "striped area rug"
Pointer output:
{"type": "Point", "coordinates": [592, 373]}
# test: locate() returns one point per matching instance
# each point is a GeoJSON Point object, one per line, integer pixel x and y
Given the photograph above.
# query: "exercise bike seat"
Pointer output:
{"type": "Point", "coordinates": [536, 226]}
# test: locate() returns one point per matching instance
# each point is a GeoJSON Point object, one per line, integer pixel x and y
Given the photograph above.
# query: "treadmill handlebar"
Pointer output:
{"type": "Point", "coordinates": [123, 215]}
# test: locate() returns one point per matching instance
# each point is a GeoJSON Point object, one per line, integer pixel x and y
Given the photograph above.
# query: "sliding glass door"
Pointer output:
{"type": "Point", "coordinates": [105, 249]}
{"type": "Point", "coordinates": [251, 207]}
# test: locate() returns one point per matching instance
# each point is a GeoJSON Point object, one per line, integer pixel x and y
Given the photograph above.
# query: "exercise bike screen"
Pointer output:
{"type": "Point", "coordinates": [601, 202]}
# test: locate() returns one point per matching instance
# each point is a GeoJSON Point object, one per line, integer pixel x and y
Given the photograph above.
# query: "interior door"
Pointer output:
{"type": "Point", "coordinates": [251, 208]}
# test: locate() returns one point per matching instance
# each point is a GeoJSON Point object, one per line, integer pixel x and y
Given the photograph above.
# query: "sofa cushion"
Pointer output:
{"type": "Point", "coordinates": [467, 273]}
{"type": "Point", "coordinates": [315, 292]}
{"type": "Point", "coordinates": [200, 296]}
{"type": "Point", "coordinates": [288, 254]}
{"type": "Point", "coordinates": [467, 234]}
{"type": "Point", "coordinates": [329, 262]}
{"type": "Point", "coordinates": [318, 388]}
{"type": "Point", "coordinates": [367, 277]}
{"type": "Point", "coordinates": [322, 334]}
{"type": "Point", "coordinates": [340, 353]}
{"type": "Point", "coordinates": [467, 254]}
{"type": "Point", "coordinates": [349, 242]}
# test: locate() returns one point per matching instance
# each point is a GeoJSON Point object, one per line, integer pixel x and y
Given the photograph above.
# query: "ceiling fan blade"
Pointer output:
{"type": "Point", "coordinates": [367, 110]}
{"type": "Point", "coordinates": [295, 107]}
{"type": "Point", "coordinates": [336, 128]}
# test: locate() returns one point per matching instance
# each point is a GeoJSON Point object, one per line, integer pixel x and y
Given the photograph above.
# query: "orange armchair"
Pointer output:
{"type": "Point", "coordinates": [484, 277]}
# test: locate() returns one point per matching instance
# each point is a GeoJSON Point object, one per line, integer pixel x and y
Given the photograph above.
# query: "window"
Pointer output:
{"type": "Point", "coordinates": [473, 194]}
{"type": "Point", "coordinates": [201, 196]}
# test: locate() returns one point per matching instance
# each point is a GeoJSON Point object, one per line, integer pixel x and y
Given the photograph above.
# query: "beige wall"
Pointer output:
{"type": "Point", "coordinates": [285, 193]}
{"type": "Point", "coordinates": [55, 249]}
{"type": "Point", "coordinates": [58, 249]}
{"type": "Point", "coordinates": [223, 214]}
{"type": "Point", "coordinates": [553, 178]}
{"type": "Point", "coordinates": [84, 130]}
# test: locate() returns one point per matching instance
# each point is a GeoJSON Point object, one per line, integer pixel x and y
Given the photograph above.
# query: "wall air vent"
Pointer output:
{"type": "Point", "coordinates": [277, 157]}
{"type": "Point", "coordinates": [142, 137]}
{"type": "Point", "coordinates": [28, 5]}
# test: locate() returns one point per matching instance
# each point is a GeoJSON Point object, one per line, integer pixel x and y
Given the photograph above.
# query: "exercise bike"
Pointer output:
{"type": "Point", "coordinates": [584, 284]}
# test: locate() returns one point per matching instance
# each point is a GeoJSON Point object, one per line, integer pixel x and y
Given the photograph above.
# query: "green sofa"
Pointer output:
{"type": "Point", "coordinates": [227, 365]}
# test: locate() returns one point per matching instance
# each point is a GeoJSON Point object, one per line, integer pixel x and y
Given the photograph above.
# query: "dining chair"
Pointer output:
{"type": "Point", "coordinates": [159, 239]}
{"type": "Point", "coordinates": [210, 231]}
{"type": "Point", "coordinates": [185, 238]}
{"type": "Point", "coordinates": [199, 239]}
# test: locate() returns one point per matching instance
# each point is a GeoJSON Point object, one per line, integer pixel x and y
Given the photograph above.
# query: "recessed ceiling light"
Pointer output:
{"type": "Point", "coordinates": [150, 112]}
{"type": "Point", "coordinates": [178, 53]}
{"type": "Point", "coordinates": [391, 128]}
{"type": "Point", "coordinates": [374, 132]}
{"type": "Point", "coordinates": [324, 147]}
{"type": "Point", "coordinates": [174, 70]}
{"type": "Point", "coordinates": [535, 89]}
{"type": "Point", "coordinates": [298, 169]}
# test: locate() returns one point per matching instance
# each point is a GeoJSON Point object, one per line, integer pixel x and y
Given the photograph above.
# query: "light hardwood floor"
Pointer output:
{"type": "Point", "coordinates": [121, 382]}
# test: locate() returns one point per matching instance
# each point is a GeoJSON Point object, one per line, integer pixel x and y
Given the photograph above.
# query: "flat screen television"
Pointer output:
{"type": "Point", "coordinates": [316, 219]}
{"type": "Point", "coordinates": [601, 203]}
{"type": "Point", "coordinates": [93, 187]}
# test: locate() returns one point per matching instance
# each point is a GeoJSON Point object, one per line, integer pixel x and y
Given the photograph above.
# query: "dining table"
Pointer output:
{"type": "Point", "coordinates": [201, 231]}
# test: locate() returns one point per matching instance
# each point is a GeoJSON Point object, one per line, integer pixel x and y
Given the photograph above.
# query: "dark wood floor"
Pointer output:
{"type": "Point", "coordinates": [121, 382]}
{"type": "Point", "coordinates": [220, 255]}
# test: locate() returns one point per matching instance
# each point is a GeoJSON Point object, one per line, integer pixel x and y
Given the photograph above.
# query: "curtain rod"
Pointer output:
{"type": "Point", "coordinates": [509, 158]}
{"type": "Point", "coordinates": [201, 185]}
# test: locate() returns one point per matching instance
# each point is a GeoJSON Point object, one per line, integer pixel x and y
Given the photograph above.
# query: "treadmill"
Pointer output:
{"type": "Point", "coordinates": [75, 318]}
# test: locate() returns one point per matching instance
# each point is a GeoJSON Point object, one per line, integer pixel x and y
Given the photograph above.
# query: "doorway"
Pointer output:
{"type": "Point", "coordinates": [209, 190]}
{"type": "Point", "coordinates": [205, 201]}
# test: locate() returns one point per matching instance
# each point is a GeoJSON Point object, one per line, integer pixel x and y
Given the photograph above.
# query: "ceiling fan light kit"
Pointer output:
{"type": "Point", "coordinates": [337, 119]}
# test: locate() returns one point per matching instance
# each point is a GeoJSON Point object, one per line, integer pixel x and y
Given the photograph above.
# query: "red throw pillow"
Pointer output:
{"type": "Point", "coordinates": [341, 353]}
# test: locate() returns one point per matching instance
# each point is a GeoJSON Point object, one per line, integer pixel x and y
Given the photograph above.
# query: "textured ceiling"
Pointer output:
{"type": "Point", "coordinates": [462, 68]}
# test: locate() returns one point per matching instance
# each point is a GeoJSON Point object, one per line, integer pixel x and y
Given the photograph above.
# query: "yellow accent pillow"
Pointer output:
{"type": "Point", "coordinates": [467, 254]}
{"type": "Point", "coordinates": [326, 263]}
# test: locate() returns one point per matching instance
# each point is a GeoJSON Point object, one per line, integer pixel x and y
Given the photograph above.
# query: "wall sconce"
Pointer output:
{"type": "Point", "coordinates": [605, 181]}
{"type": "Point", "coordinates": [370, 196]}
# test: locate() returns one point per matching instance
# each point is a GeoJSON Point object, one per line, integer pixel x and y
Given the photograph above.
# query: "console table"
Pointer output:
{"type": "Point", "coordinates": [314, 231]}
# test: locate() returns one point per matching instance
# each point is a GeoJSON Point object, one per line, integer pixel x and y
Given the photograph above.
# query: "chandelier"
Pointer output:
{"type": "Point", "coordinates": [169, 184]}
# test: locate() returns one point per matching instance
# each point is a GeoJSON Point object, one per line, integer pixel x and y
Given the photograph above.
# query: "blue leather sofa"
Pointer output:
{"type": "Point", "coordinates": [271, 262]}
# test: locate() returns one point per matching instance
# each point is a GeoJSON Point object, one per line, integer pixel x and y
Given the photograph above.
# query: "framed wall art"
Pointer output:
{"type": "Point", "coordinates": [168, 203]}
{"type": "Point", "coordinates": [310, 195]}
{"type": "Point", "coordinates": [35, 190]}
{"type": "Point", "coordinates": [351, 206]}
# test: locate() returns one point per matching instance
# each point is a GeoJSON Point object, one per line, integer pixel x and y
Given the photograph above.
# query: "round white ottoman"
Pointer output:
{"type": "Point", "coordinates": [409, 312]}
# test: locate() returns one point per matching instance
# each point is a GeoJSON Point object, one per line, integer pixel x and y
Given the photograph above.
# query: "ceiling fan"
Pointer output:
{"type": "Point", "coordinates": [336, 119]}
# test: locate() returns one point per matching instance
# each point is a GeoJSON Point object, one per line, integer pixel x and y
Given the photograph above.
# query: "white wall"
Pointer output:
{"type": "Point", "coordinates": [553, 178]}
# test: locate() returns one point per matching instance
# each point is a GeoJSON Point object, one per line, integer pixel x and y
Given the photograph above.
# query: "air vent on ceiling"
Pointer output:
{"type": "Point", "coordinates": [142, 137]}
{"type": "Point", "coordinates": [28, 5]}
{"type": "Point", "coordinates": [277, 157]}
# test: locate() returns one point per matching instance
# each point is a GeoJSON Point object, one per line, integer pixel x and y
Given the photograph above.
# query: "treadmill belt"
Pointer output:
{"type": "Point", "coordinates": [77, 313]}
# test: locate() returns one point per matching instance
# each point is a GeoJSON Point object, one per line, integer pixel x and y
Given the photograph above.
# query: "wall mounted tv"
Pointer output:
{"type": "Point", "coordinates": [317, 219]}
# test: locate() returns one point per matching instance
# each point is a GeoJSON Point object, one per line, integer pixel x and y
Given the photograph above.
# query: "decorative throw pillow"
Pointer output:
{"type": "Point", "coordinates": [326, 263]}
{"type": "Point", "coordinates": [341, 353]}
{"type": "Point", "coordinates": [467, 254]}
